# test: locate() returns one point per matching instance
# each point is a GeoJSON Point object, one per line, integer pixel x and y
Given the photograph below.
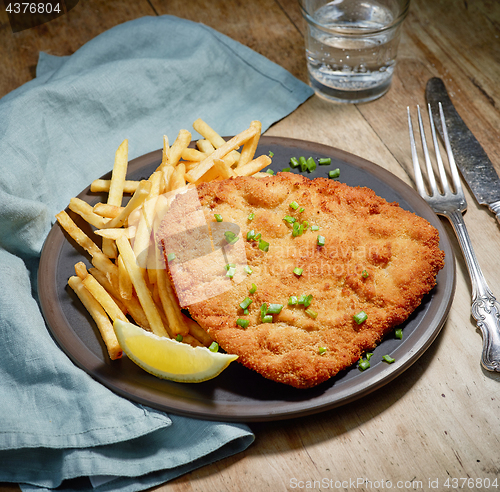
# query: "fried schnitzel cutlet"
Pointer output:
{"type": "Point", "coordinates": [337, 250]}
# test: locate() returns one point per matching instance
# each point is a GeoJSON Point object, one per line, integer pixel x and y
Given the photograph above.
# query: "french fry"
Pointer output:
{"type": "Point", "coordinates": [103, 298]}
{"type": "Point", "coordinates": [250, 147]}
{"type": "Point", "coordinates": [136, 201]}
{"type": "Point", "coordinates": [102, 186]}
{"type": "Point", "coordinates": [86, 211]}
{"type": "Point", "coordinates": [105, 210]}
{"type": "Point", "coordinates": [81, 270]}
{"type": "Point", "coordinates": [181, 142]}
{"type": "Point", "coordinates": [205, 146]}
{"type": "Point", "coordinates": [197, 331]}
{"type": "Point", "coordinates": [167, 175]}
{"type": "Point", "coordinates": [214, 138]}
{"type": "Point", "coordinates": [222, 169]}
{"type": "Point", "coordinates": [116, 232]}
{"type": "Point", "coordinates": [196, 173]}
{"type": "Point", "coordinates": [170, 304]}
{"type": "Point", "coordinates": [115, 195]}
{"type": "Point", "coordinates": [178, 179]}
{"type": "Point", "coordinates": [165, 151]}
{"type": "Point", "coordinates": [145, 226]}
{"type": "Point", "coordinates": [132, 305]}
{"type": "Point", "coordinates": [253, 166]}
{"type": "Point", "coordinates": [99, 315]}
{"type": "Point", "coordinates": [125, 286]}
{"type": "Point", "coordinates": [193, 155]}
{"type": "Point", "coordinates": [141, 288]}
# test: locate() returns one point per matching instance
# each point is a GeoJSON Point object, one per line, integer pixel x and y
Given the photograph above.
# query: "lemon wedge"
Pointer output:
{"type": "Point", "coordinates": [169, 359]}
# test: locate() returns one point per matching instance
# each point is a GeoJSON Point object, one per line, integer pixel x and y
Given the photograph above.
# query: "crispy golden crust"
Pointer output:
{"type": "Point", "coordinates": [398, 250]}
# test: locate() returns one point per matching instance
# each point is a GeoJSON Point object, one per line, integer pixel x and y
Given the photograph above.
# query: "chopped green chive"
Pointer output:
{"type": "Point", "coordinates": [214, 347]}
{"type": "Point", "coordinates": [294, 162]}
{"type": "Point", "coordinates": [324, 161]}
{"type": "Point", "coordinates": [231, 270]}
{"type": "Point", "coordinates": [245, 303]}
{"type": "Point", "coordinates": [231, 237]}
{"type": "Point", "coordinates": [248, 270]}
{"type": "Point", "coordinates": [251, 216]}
{"type": "Point", "coordinates": [292, 301]}
{"type": "Point", "coordinates": [311, 313]}
{"type": "Point", "coordinates": [311, 164]}
{"type": "Point", "coordinates": [229, 265]}
{"type": "Point", "coordinates": [257, 236]}
{"type": "Point", "coordinates": [294, 205]}
{"type": "Point", "coordinates": [298, 271]}
{"type": "Point", "coordinates": [289, 219]}
{"type": "Point", "coordinates": [250, 235]}
{"type": "Point", "coordinates": [398, 333]}
{"type": "Point", "coordinates": [301, 209]}
{"type": "Point", "coordinates": [243, 322]}
{"type": "Point", "coordinates": [270, 171]}
{"type": "Point", "coordinates": [360, 317]}
{"type": "Point", "coordinates": [314, 228]}
{"type": "Point", "coordinates": [298, 229]}
{"type": "Point", "coordinates": [263, 310]}
{"type": "Point", "coordinates": [363, 364]}
{"type": "Point", "coordinates": [263, 245]}
{"type": "Point", "coordinates": [274, 308]}
{"type": "Point", "coordinates": [271, 153]}
{"type": "Point", "coordinates": [322, 350]}
{"type": "Point", "coordinates": [365, 274]}
{"type": "Point", "coordinates": [267, 319]}
{"type": "Point", "coordinates": [253, 289]}
{"type": "Point", "coordinates": [171, 257]}
{"type": "Point", "coordinates": [218, 217]}
{"type": "Point", "coordinates": [179, 337]}
{"type": "Point", "coordinates": [321, 240]}
{"type": "Point", "coordinates": [388, 359]}
{"type": "Point", "coordinates": [246, 311]}
{"type": "Point", "coordinates": [307, 300]}
{"type": "Point", "coordinates": [305, 224]}
{"type": "Point", "coordinates": [302, 299]}
{"type": "Point", "coordinates": [285, 170]}
{"type": "Point", "coordinates": [303, 163]}
{"type": "Point", "coordinates": [369, 355]}
{"type": "Point", "coordinates": [334, 174]}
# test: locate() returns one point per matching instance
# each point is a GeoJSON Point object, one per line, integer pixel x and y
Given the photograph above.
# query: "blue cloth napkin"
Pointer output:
{"type": "Point", "coordinates": [139, 80]}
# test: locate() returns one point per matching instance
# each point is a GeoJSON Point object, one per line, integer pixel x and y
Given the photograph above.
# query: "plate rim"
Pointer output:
{"type": "Point", "coordinates": [379, 375]}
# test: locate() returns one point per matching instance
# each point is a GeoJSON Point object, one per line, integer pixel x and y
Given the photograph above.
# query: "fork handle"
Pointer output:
{"type": "Point", "coordinates": [495, 208]}
{"type": "Point", "coordinates": [485, 307]}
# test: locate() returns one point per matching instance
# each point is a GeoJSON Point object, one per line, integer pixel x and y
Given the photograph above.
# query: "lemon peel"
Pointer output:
{"type": "Point", "coordinates": [169, 359]}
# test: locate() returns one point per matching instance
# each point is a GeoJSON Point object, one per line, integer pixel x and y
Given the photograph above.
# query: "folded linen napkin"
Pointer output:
{"type": "Point", "coordinates": [139, 80]}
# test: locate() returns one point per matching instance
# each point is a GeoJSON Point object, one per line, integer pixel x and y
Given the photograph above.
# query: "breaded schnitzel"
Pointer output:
{"type": "Point", "coordinates": [334, 252]}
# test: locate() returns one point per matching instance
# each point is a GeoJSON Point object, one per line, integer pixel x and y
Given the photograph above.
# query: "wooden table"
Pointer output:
{"type": "Point", "coordinates": [441, 419]}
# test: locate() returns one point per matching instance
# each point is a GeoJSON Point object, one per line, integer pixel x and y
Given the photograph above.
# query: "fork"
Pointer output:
{"type": "Point", "coordinates": [452, 204]}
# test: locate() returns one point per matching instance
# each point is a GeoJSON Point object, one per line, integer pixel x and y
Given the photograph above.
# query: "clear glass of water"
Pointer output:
{"type": "Point", "coordinates": [351, 46]}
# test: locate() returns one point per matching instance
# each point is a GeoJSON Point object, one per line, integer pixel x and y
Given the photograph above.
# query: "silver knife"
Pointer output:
{"type": "Point", "coordinates": [471, 159]}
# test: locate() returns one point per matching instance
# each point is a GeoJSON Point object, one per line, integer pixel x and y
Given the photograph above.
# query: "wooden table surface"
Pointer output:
{"type": "Point", "coordinates": [441, 418]}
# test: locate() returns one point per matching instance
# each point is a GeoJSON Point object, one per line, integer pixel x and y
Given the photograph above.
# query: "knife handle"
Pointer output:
{"type": "Point", "coordinates": [495, 208]}
{"type": "Point", "coordinates": [485, 308]}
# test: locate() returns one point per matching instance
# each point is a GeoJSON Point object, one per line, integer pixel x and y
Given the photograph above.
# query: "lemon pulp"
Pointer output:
{"type": "Point", "coordinates": [168, 359]}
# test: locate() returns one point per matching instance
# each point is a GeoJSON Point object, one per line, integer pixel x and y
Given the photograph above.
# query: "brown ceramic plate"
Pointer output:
{"type": "Point", "coordinates": [238, 394]}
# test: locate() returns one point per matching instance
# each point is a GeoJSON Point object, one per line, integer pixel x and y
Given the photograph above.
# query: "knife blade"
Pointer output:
{"type": "Point", "coordinates": [471, 159]}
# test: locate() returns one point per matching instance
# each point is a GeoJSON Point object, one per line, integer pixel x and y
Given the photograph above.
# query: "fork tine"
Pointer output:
{"type": "Point", "coordinates": [451, 159]}
{"type": "Point", "coordinates": [416, 166]}
{"type": "Point", "coordinates": [442, 172]}
{"type": "Point", "coordinates": [428, 164]}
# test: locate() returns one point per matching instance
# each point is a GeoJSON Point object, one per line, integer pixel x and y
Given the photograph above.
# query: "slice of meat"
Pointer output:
{"type": "Point", "coordinates": [377, 258]}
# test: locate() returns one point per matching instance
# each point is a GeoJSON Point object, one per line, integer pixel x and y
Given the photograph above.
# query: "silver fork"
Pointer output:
{"type": "Point", "coordinates": [452, 204]}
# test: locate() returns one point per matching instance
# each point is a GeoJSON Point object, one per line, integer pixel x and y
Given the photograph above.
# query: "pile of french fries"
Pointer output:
{"type": "Point", "coordinates": [118, 286]}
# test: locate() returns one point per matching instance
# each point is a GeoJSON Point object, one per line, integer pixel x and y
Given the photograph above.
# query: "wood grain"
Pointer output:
{"type": "Point", "coordinates": [441, 418]}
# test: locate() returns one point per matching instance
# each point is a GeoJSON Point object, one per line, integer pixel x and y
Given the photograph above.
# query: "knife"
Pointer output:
{"type": "Point", "coordinates": [471, 159]}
